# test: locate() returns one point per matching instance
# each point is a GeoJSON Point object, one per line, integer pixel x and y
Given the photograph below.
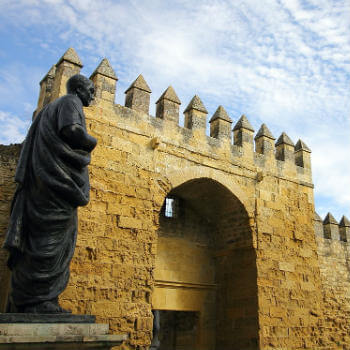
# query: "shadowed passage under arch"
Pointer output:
{"type": "Point", "coordinates": [206, 264]}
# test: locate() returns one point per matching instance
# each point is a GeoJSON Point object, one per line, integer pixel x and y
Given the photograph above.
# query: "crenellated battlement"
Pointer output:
{"type": "Point", "coordinates": [228, 139]}
{"type": "Point", "coordinates": [330, 229]}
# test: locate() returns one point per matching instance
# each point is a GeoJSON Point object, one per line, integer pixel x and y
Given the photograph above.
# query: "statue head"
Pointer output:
{"type": "Point", "coordinates": [82, 87]}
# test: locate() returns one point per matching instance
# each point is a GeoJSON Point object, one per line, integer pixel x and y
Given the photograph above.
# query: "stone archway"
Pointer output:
{"type": "Point", "coordinates": [179, 177]}
{"type": "Point", "coordinates": [206, 264]}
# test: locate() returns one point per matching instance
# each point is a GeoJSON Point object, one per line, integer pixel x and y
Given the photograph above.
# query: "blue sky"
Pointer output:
{"type": "Point", "coordinates": [285, 63]}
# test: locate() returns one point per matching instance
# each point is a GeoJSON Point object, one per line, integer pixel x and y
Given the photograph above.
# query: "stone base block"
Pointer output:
{"type": "Point", "coordinates": [57, 336]}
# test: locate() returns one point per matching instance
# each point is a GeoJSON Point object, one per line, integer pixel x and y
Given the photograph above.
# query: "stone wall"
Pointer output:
{"type": "Point", "coordinates": [290, 306]}
{"type": "Point", "coordinates": [8, 161]}
{"type": "Point", "coordinates": [334, 260]}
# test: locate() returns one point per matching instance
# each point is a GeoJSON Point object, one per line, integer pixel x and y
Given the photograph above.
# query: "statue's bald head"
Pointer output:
{"type": "Point", "coordinates": [82, 87]}
{"type": "Point", "coordinates": [77, 81]}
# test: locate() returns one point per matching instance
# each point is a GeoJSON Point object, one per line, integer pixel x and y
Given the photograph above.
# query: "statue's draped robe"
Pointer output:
{"type": "Point", "coordinates": [52, 182]}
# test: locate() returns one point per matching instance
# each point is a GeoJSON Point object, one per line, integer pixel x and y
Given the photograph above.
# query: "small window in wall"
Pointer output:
{"type": "Point", "coordinates": [171, 207]}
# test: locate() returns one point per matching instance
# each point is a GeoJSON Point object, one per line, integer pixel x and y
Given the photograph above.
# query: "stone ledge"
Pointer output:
{"type": "Point", "coordinates": [8, 340]}
{"type": "Point", "coordinates": [51, 329]}
{"type": "Point", "coordinates": [101, 342]}
{"type": "Point", "coordinates": [60, 336]}
{"type": "Point", "coordinates": [98, 343]}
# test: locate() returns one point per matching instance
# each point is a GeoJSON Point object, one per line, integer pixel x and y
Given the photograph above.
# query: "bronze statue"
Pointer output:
{"type": "Point", "coordinates": [53, 180]}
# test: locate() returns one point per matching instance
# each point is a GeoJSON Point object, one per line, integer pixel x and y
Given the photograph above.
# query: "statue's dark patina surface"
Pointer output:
{"type": "Point", "coordinates": [53, 180]}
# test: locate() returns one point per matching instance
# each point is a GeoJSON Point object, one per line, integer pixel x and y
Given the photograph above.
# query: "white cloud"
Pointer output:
{"type": "Point", "coordinates": [331, 168]}
{"type": "Point", "coordinates": [283, 62]}
{"type": "Point", "coordinates": [18, 97]}
{"type": "Point", "coordinates": [13, 129]}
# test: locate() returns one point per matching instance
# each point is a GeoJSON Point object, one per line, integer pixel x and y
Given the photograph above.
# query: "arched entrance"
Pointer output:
{"type": "Point", "coordinates": [206, 281]}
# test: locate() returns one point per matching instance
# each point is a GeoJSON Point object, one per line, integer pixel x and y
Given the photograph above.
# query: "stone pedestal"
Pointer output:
{"type": "Point", "coordinates": [69, 332]}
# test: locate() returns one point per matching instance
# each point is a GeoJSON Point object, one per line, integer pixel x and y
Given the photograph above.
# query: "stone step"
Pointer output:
{"type": "Point", "coordinates": [59, 336]}
{"type": "Point", "coordinates": [51, 329]}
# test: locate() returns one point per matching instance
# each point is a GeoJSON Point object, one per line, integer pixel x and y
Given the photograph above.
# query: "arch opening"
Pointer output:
{"type": "Point", "coordinates": [206, 264]}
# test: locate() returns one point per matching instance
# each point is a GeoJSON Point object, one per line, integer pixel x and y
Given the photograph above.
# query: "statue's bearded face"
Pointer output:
{"type": "Point", "coordinates": [86, 92]}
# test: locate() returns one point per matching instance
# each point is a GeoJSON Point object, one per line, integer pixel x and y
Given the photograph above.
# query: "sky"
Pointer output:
{"type": "Point", "coordinates": [285, 63]}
